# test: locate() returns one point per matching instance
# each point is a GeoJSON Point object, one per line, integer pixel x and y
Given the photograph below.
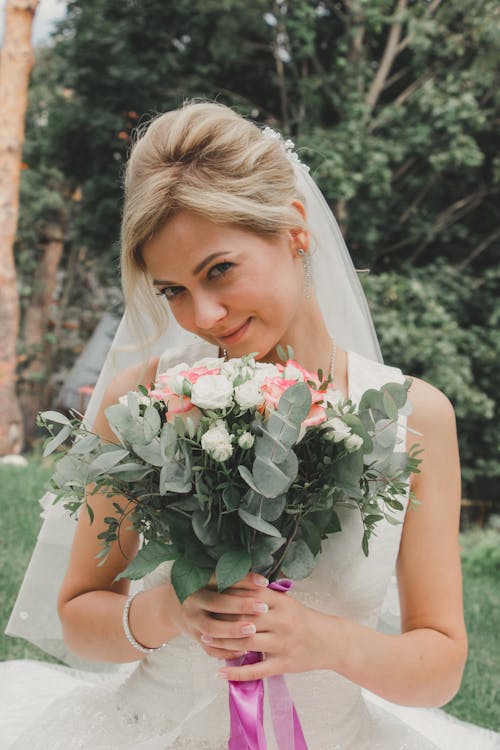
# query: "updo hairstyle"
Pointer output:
{"type": "Point", "coordinates": [206, 159]}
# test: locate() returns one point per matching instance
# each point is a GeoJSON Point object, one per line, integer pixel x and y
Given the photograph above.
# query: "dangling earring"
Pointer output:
{"type": "Point", "coordinates": [306, 260]}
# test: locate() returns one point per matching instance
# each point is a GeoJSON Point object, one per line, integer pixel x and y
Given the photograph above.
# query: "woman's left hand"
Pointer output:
{"type": "Point", "coordinates": [288, 635]}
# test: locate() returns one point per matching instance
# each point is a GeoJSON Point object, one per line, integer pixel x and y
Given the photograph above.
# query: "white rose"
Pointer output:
{"type": "Point", "coordinates": [217, 442]}
{"type": "Point", "coordinates": [264, 370]}
{"type": "Point", "coordinates": [141, 399]}
{"type": "Point", "coordinates": [353, 442]}
{"type": "Point", "coordinates": [336, 430]}
{"type": "Point", "coordinates": [211, 363]}
{"type": "Point", "coordinates": [212, 392]}
{"type": "Point", "coordinates": [247, 395]}
{"type": "Point", "coordinates": [172, 379]}
{"type": "Point", "coordinates": [246, 440]}
{"type": "Point", "coordinates": [235, 368]}
{"type": "Point", "coordinates": [293, 373]}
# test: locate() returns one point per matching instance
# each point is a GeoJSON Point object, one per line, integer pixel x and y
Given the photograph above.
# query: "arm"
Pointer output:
{"type": "Point", "coordinates": [90, 602]}
{"type": "Point", "coordinates": [90, 605]}
{"type": "Point", "coordinates": [422, 666]}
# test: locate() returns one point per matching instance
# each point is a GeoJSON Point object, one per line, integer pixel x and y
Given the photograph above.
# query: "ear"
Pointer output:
{"type": "Point", "coordinates": [299, 237]}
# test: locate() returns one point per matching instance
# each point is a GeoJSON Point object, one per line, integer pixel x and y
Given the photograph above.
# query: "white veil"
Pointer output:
{"type": "Point", "coordinates": [348, 319]}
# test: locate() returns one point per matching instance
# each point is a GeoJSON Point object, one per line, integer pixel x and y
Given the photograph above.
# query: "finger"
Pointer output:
{"type": "Point", "coordinates": [257, 671]}
{"type": "Point", "coordinates": [231, 604]}
{"type": "Point", "coordinates": [222, 653]}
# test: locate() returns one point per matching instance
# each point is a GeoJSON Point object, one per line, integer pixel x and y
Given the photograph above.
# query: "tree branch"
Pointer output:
{"type": "Point", "coordinates": [483, 245]}
{"type": "Point", "coordinates": [388, 57]}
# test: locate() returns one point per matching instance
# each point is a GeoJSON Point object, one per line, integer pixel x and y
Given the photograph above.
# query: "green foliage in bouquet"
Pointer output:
{"type": "Point", "coordinates": [267, 507]}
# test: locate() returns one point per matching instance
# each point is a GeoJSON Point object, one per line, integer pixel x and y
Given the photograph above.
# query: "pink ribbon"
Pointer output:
{"type": "Point", "coordinates": [246, 705]}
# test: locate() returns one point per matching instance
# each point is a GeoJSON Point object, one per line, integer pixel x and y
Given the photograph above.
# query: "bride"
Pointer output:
{"type": "Point", "coordinates": [226, 238]}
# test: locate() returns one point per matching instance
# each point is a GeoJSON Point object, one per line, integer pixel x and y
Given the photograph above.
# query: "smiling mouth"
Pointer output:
{"type": "Point", "coordinates": [235, 334]}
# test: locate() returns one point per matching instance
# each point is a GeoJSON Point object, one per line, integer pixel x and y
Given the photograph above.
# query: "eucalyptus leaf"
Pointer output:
{"type": "Point", "coordinates": [263, 550]}
{"type": "Point", "coordinates": [269, 447]}
{"type": "Point", "coordinates": [231, 568]}
{"type": "Point", "coordinates": [55, 416]}
{"type": "Point", "coordinates": [231, 497]}
{"type": "Point", "coordinates": [385, 434]}
{"type": "Point", "coordinates": [272, 508]}
{"type": "Point", "coordinates": [295, 403]}
{"type": "Point", "coordinates": [150, 453]}
{"type": "Point", "coordinates": [187, 578]}
{"type": "Point", "coordinates": [258, 523]}
{"type": "Point", "coordinates": [274, 479]}
{"type": "Point", "coordinates": [299, 561]}
{"type": "Point", "coordinates": [390, 405]}
{"type": "Point", "coordinates": [205, 530]}
{"type": "Point", "coordinates": [248, 478]}
{"type": "Point", "coordinates": [398, 392]}
{"type": "Point", "coordinates": [168, 440]}
{"type": "Point", "coordinates": [147, 559]}
{"type": "Point", "coordinates": [56, 441]}
{"type": "Point", "coordinates": [85, 445]}
{"type": "Point", "coordinates": [152, 423]}
{"type": "Point", "coordinates": [311, 535]}
{"type": "Point", "coordinates": [105, 461]}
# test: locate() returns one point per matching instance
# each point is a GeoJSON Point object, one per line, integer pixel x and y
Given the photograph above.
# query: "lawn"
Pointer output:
{"type": "Point", "coordinates": [479, 695]}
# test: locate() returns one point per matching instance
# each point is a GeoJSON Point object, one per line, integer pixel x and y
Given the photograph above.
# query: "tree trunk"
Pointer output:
{"type": "Point", "coordinates": [16, 61]}
{"type": "Point", "coordinates": [36, 321]}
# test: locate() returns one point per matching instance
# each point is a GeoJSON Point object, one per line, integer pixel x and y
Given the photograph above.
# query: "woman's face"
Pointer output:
{"type": "Point", "coordinates": [233, 288]}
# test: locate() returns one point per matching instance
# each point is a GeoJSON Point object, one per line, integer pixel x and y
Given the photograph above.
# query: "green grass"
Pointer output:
{"type": "Point", "coordinates": [479, 695]}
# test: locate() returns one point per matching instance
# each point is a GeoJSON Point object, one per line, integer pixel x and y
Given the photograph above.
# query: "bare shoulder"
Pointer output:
{"type": "Point", "coordinates": [432, 411]}
{"type": "Point", "coordinates": [128, 380]}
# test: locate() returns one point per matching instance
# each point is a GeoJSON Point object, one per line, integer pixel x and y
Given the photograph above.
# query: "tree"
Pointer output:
{"type": "Point", "coordinates": [16, 61]}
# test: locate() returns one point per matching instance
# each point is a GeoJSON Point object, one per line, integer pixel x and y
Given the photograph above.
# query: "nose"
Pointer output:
{"type": "Point", "coordinates": [208, 312]}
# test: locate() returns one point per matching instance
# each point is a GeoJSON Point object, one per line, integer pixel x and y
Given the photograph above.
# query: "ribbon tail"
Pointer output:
{"type": "Point", "coordinates": [246, 709]}
{"type": "Point", "coordinates": [286, 722]}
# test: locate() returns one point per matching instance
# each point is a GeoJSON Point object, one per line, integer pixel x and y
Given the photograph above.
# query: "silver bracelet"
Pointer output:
{"type": "Point", "coordinates": [128, 632]}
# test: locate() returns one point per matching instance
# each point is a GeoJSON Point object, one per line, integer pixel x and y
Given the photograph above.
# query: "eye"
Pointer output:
{"type": "Point", "coordinates": [169, 292]}
{"type": "Point", "coordinates": [220, 269]}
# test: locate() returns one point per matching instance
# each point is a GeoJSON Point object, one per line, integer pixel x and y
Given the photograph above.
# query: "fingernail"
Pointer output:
{"type": "Point", "coordinates": [260, 607]}
{"type": "Point", "coordinates": [222, 675]}
{"type": "Point", "coordinates": [249, 629]}
{"type": "Point", "coordinates": [207, 639]}
{"type": "Point", "coordinates": [260, 580]}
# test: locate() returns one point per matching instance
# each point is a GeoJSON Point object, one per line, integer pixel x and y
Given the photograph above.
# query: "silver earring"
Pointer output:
{"type": "Point", "coordinates": [306, 260]}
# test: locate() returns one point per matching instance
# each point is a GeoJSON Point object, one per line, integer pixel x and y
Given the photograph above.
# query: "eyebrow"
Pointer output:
{"type": "Point", "coordinates": [196, 270]}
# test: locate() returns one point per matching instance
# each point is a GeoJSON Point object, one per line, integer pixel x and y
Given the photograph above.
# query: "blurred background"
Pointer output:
{"type": "Point", "coordinates": [394, 105]}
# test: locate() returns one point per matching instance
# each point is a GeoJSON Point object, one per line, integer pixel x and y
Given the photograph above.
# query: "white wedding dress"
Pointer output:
{"type": "Point", "coordinates": [172, 698]}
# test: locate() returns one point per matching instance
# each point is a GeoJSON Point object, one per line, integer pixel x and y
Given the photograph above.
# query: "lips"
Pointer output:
{"type": "Point", "coordinates": [234, 334]}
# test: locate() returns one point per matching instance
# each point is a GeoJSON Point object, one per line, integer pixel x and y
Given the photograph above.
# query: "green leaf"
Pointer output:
{"type": "Point", "coordinates": [258, 523]}
{"type": "Point", "coordinates": [364, 544]}
{"type": "Point", "coordinates": [85, 445]}
{"type": "Point", "coordinates": [231, 497]}
{"type": "Point", "coordinates": [299, 561]}
{"type": "Point", "coordinates": [56, 441]}
{"type": "Point", "coordinates": [334, 524]}
{"type": "Point", "coordinates": [54, 416]}
{"type": "Point", "coordinates": [231, 568]}
{"type": "Point", "coordinates": [248, 478]}
{"type": "Point", "coordinates": [105, 461]}
{"type": "Point", "coordinates": [273, 507]}
{"type": "Point", "coordinates": [311, 535]}
{"type": "Point", "coordinates": [152, 423]}
{"type": "Point", "coordinates": [372, 518]}
{"type": "Point", "coordinates": [149, 453]}
{"type": "Point", "coordinates": [271, 479]}
{"type": "Point", "coordinates": [168, 440]}
{"type": "Point", "coordinates": [271, 448]}
{"type": "Point", "coordinates": [295, 403]}
{"type": "Point", "coordinates": [206, 531]}
{"type": "Point", "coordinates": [147, 559]}
{"type": "Point", "coordinates": [263, 549]}
{"type": "Point", "coordinates": [187, 578]}
{"type": "Point", "coordinates": [390, 405]}
{"type": "Point", "coordinates": [398, 393]}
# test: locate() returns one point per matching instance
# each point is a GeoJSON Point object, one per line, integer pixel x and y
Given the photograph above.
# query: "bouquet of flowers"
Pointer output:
{"type": "Point", "coordinates": [238, 465]}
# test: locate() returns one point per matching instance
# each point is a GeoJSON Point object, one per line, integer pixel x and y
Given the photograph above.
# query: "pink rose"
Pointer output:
{"type": "Point", "coordinates": [196, 372]}
{"type": "Point", "coordinates": [176, 405]}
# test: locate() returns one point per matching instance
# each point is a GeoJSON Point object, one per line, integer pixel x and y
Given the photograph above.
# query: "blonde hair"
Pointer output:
{"type": "Point", "coordinates": [206, 159]}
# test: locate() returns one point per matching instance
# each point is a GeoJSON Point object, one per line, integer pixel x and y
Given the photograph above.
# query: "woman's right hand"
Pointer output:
{"type": "Point", "coordinates": [209, 614]}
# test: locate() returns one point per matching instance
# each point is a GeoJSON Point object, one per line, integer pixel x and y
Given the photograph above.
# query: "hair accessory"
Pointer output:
{"type": "Point", "coordinates": [307, 272]}
{"type": "Point", "coordinates": [128, 632]}
{"type": "Point", "coordinates": [287, 145]}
